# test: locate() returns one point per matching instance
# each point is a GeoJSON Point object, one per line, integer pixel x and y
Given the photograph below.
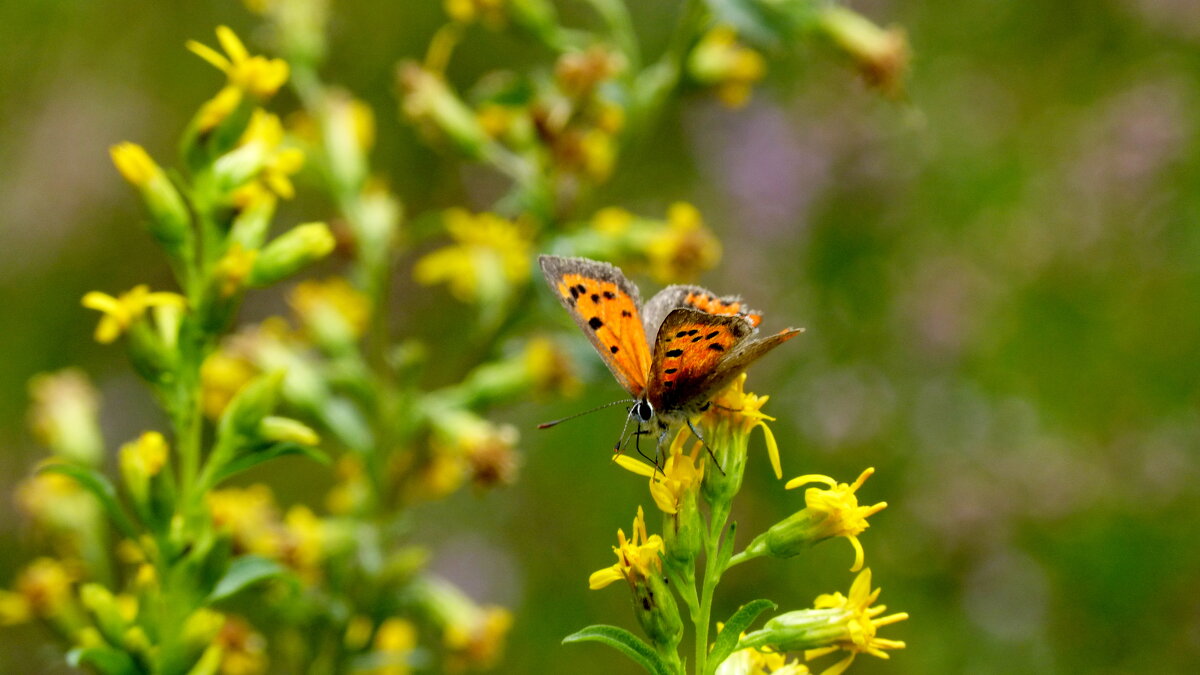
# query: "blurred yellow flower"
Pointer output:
{"type": "Point", "coordinates": [331, 306]}
{"type": "Point", "coordinates": [63, 416]}
{"type": "Point", "coordinates": [550, 369]}
{"type": "Point", "coordinates": [881, 55]}
{"type": "Point", "coordinates": [685, 248]}
{"type": "Point", "coordinates": [837, 510]}
{"type": "Point", "coordinates": [124, 310]}
{"type": "Point", "coordinates": [218, 108]}
{"type": "Point", "coordinates": [466, 11]}
{"type": "Point", "coordinates": [394, 640]}
{"type": "Point", "coordinates": [46, 586]}
{"type": "Point", "coordinates": [732, 69]}
{"type": "Point", "coordinates": [134, 163]}
{"type": "Point", "coordinates": [491, 252]}
{"type": "Point", "coordinates": [243, 650]}
{"type": "Point", "coordinates": [250, 515]}
{"type": "Point", "coordinates": [637, 557]}
{"type": "Point", "coordinates": [234, 268]}
{"type": "Point", "coordinates": [860, 624]}
{"type": "Point", "coordinates": [148, 453]}
{"type": "Point", "coordinates": [265, 134]}
{"type": "Point", "coordinates": [479, 643]}
{"type": "Point", "coordinates": [612, 220]}
{"type": "Point", "coordinates": [221, 377]}
{"type": "Point", "coordinates": [256, 75]}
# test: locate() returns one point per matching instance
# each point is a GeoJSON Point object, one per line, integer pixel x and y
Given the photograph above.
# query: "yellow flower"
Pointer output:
{"type": "Point", "coordinates": [478, 644]}
{"type": "Point", "coordinates": [684, 248]}
{"type": "Point", "coordinates": [123, 311]}
{"type": "Point", "coordinates": [134, 163]}
{"type": "Point", "coordinates": [303, 541]}
{"type": "Point", "coordinates": [881, 55]}
{"type": "Point", "coordinates": [243, 650]}
{"type": "Point", "coordinates": [256, 75]}
{"type": "Point", "coordinates": [737, 411]}
{"type": "Point", "coordinates": [264, 134]}
{"type": "Point", "coordinates": [148, 454]}
{"type": "Point", "coordinates": [218, 108]}
{"type": "Point", "coordinates": [836, 509]}
{"type": "Point", "coordinates": [720, 61]}
{"type": "Point", "coordinates": [491, 253]}
{"type": "Point", "coordinates": [45, 586]}
{"type": "Point", "coordinates": [351, 492]}
{"type": "Point", "coordinates": [637, 557]}
{"type": "Point", "coordinates": [394, 640]}
{"type": "Point", "coordinates": [860, 624]}
{"type": "Point", "coordinates": [550, 368]}
{"type": "Point", "coordinates": [64, 415]}
{"type": "Point", "coordinates": [612, 220]}
{"type": "Point", "coordinates": [250, 516]}
{"type": "Point", "coordinates": [222, 376]}
{"type": "Point", "coordinates": [466, 11]}
{"type": "Point", "coordinates": [14, 609]}
{"type": "Point", "coordinates": [680, 474]}
{"type": "Point", "coordinates": [234, 268]}
{"type": "Point", "coordinates": [331, 307]}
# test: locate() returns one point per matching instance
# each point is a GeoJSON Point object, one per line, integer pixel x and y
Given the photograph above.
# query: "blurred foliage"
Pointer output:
{"type": "Point", "coordinates": [999, 280]}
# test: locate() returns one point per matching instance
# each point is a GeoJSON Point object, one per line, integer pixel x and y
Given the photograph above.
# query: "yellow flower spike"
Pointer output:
{"type": "Point", "coordinates": [637, 557]}
{"type": "Point", "coordinates": [612, 220]}
{"type": "Point", "coordinates": [218, 108]}
{"type": "Point", "coordinates": [332, 310]}
{"type": "Point", "coordinates": [741, 412]}
{"type": "Point", "coordinates": [256, 75]}
{"type": "Point", "coordinates": [123, 311]}
{"type": "Point", "coordinates": [731, 68]}
{"type": "Point", "coordinates": [46, 586]}
{"type": "Point", "coordinates": [680, 473]}
{"type": "Point", "coordinates": [243, 650]}
{"type": "Point", "coordinates": [837, 509]}
{"type": "Point", "coordinates": [234, 268]}
{"type": "Point", "coordinates": [148, 453]}
{"type": "Point", "coordinates": [491, 253]}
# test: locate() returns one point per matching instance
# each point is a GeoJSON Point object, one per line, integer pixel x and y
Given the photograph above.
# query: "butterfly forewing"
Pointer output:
{"type": "Point", "coordinates": [689, 352]}
{"type": "Point", "coordinates": [606, 306]}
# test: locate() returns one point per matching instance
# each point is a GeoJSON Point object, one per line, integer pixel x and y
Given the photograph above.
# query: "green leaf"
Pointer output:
{"type": "Point", "coordinates": [105, 660]}
{"type": "Point", "coordinates": [727, 640]}
{"type": "Point", "coordinates": [255, 457]}
{"type": "Point", "coordinates": [243, 573]}
{"type": "Point", "coordinates": [98, 484]}
{"type": "Point", "coordinates": [625, 642]}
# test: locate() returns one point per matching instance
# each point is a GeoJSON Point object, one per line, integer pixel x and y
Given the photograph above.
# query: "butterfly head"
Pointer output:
{"type": "Point", "coordinates": [642, 410]}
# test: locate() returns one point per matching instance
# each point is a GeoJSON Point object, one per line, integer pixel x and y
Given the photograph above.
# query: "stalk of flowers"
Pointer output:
{"type": "Point", "coordinates": [161, 610]}
{"type": "Point", "coordinates": [695, 489]}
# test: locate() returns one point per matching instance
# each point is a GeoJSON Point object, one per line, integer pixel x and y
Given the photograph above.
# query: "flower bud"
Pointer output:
{"type": "Point", "coordinates": [244, 414]}
{"type": "Point", "coordinates": [287, 430]}
{"type": "Point", "coordinates": [881, 55]}
{"type": "Point", "coordinates": [291, 252]}
{"type": "Point", "coordinates": [430, 101]}
{"type": "Point", "coordinates": [103, 606]}
{"type": "Point", "coordinates": [170, 221]}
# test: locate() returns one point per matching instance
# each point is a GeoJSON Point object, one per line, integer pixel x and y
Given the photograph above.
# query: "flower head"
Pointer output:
{"type": "Point", "coordinates": [835, 511]}
{"type": "Point", "coordinates": [720, 61]}
{"type": "Point", "coordinates": [332, 309]}
{"type": "Point", "coordinates": [836, 622]}
{"type": "Point", "coordinates": [637, 557]}
{"type": "Point", "coordinates": [263, 142]}
{"type": "Point", "coordinates": [684, 248]}
{"type": "Point", "coordinates": [257, 75]}
{"type": "Point", "coordinates": [736, 411]}
{"type": "Point", "coordinates": [490, 254]}
{"type": "Point", "coordinates": [243, 649]}
{"type": "Point", "coordinates": [124, 310]}
{"type": "Point", "coordinates": [64, 415]}
{"type": "Point", "coordinates": [680, 475]}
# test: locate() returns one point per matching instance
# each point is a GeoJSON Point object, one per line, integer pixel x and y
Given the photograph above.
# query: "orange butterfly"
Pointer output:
{"type": "Point", "coordinates": [701, 341]}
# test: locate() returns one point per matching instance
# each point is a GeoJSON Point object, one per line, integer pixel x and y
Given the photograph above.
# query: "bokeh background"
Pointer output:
{"type": "Point", "coordinates": [1000, 281]}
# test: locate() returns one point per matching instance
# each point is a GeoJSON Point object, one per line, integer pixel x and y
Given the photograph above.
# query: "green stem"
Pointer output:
{"type": "Point", "coordinates": [712, 576]}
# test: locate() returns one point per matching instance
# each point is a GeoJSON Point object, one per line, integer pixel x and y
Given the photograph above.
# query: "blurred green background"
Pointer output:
{"type": "Point", "coordinates": [1000, 281]}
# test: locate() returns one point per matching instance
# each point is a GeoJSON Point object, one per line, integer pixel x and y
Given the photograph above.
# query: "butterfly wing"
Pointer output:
{"type": "Point", "coordinates": [674, 297]}
{"type": "Point", "coordinates": [605, 305]}
{"type": "Point", "coordinates": [697, 353]}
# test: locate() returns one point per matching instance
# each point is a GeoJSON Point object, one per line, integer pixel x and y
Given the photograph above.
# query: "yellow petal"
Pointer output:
{"type": "Point", "coordinates": [209, 54]}
{"type": "Point", "coordinates": [102, 302]}
{"type": "Point", "coordinates": [604, 577]}
{"type": "Point", "coordinates": [635, 465]}
{"type": "Point", "coordinates": [772, 451]}
{"type": "Point", "coordinates": [231, 44]}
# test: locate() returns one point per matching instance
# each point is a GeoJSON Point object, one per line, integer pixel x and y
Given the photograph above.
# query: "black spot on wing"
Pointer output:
{"type": "Point", "coordinates": [716, 347]}
{"type": "Point", "coordinates": [625, 313]}
{"type": "Point", "coordinates": [681, 333]}
{"type": "Point", "coordinates": [595, 297]}
{"type": "Point", "coordinates": [670, 370]}
{"type": "Point", "coordinates": [574, 292]}
{"type": "Point", "coordinates": [712, 335]}
{"type": "Point", "coordinates": [595, 323]}
{"type": "Point", "coordinates": [674, 353]}
{"type": "Point", "coordinates": [614, 349]}
{"type": "Point", "coordinates": [610, 295]}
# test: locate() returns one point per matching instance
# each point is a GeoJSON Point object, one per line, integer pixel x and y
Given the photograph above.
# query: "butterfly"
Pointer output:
{"type": "Point", "coordinates": [673, 354]}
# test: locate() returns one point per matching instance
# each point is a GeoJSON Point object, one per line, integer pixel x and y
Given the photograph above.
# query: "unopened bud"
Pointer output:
{"type": "Point", "coordinates": [291, 252]}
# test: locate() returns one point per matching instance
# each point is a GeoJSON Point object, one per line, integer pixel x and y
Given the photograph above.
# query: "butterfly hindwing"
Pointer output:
{"type": "Point", "coordinates": [674, 297]}
{"type": "Point", "coordinates": [689, 349]}
{"type": "Point", "coordinates": [606, 306]}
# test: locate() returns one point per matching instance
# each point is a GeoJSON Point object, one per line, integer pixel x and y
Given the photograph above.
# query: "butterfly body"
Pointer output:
{"type": "Point", "coordinates": [672, 355]}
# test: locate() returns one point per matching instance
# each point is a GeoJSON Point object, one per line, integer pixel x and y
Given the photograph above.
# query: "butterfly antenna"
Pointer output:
{"type": "Point", "coordinates": [696, 433]}
{"type": "Point", "coordinates": [547, 425]}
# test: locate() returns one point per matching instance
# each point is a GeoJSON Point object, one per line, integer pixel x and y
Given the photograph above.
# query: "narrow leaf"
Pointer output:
{"type": "Point", "coordinates": [106, 660]}
{"type": "Point", "coordinates": [98, 484]}
{"type": "Point", "coordinates": [625, 642]}
{"type": "Point", "coordinates": [727, 639]}
{"type": "Point", "coordinates": [243, 573]}
{"type": "Point", "coordinates": [255, 457]}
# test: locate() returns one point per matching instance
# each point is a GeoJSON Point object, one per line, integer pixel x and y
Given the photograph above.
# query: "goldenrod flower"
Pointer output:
{"type": "Point", "coordinates": [233, 269]}
{"type": "Point", "coordinates": [550, 369]}
{"type": "Point", "coordinates": [291, 252]}
{"type": "Point", "coordinates": [303, 541]}
{"type": "Point", "coordinates": [222, 376]}
{"type": "Point", "coordinates": [123, 311]}
{"type": "Point", "coordinates": [490, 255]}
{"type": "Point", "coordinates": [836, 622]}
{"type": "Point", "coordinates": [250, 516]}
{"type": "Point", "coordinates": [435, 107]}
{"type": "Point", "coordinates": [256, 75]}
{"type": "Point", "coordinates": [478, 644]}
{"type": "Point", "coordinates": [835, 510]}
{"type": "Point", "coordinates": [637, 557]}
{"type": "Point", "coordinates": [134, 163]}
{"type": "Point", "coordinates": [734, 410]}
{"type": "Point", "coordinates": [261, 152]}
{"type": "Point", "coordinates": [58, 503]}
{"type": "Point", "coordinates": [720, 61]}
{"type": "Point", "coordinates": [612, 220]}
{"type": "Point", "coordinates": [680, 475]}
{"type": "Point", "coordinates": [685, 248]}
{"type": "Point", "coordinates": [64, 415]}
{"type": "Point", "coordinates": [332, 310]}
{"type": "Point", "coordinates": [45, 586]}
{"type": "Point", "coordinates": [466, 11]}
{"type": "Point", "coordinates": [218, 108]}
{"type": "Point", "coordinates": [243, 650]}
{"type": "Point", "coordinates": [140, 461]}
{"type": "Point", "coordinates": [394, 641]}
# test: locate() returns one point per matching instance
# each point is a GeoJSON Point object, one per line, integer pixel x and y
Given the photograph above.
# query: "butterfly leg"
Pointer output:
{"type": "Point", "coordinates": [696, 433]}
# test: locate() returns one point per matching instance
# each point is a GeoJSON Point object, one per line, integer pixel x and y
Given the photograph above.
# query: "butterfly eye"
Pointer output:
{"type": "Point", "coordinates": [643, 410]}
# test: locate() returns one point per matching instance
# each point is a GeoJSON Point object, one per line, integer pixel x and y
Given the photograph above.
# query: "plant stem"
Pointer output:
{"type": "Point", "coordinates": [712, 575]}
